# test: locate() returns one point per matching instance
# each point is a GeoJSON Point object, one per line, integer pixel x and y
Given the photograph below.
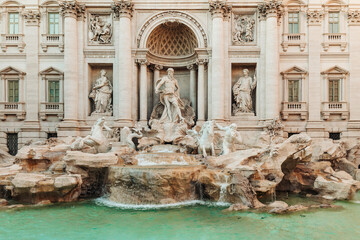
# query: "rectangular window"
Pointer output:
{"type": "Point", "coordinates": [334, 22]}
{"type": "Point", "coordinates": [334, 90]}
{"type": "Point", "coordinates": [53, 22]}
{"type": "Point", "coordinates": [293, 90]}
{"type": "Point", "coordinates": [54, 91]}
{"type": "Point", "coordinates": [51, 135]}
{"type": "Point", "coordinates": [294, 22]}
{"type": "Point", "coordinates": [13, 23]}
{"type": "Point", "coordinates": [13, 90]}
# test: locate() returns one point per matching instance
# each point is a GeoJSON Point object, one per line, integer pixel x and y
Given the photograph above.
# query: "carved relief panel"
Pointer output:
{"type": "Point", "coordinates": [243, 29]}
{"type": "Point", "coordinates": [100, 29]}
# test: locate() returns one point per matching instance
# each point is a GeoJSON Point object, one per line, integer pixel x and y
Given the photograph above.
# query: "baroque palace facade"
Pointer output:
{"type": "Point", "coordinates": [64, 64]}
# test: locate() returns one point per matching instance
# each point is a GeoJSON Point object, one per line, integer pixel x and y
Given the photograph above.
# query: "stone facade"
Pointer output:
{"type": "Point", "coordinates": [303, 55]}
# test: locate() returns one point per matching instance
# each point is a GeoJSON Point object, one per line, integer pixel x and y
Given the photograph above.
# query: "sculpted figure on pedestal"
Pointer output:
{"type": "Point", "coordinates": [96, 139]}
{"type": "Point", "coordinates": [242, 93]}
{"type": "Point", "coordinates": [100, 31]}
{"type": "Point", "coordinates": [168, 88]}
{"type": "Point", "coordinates": [101, 94]}
{"type": "Point", "coordinates": [231, 138]}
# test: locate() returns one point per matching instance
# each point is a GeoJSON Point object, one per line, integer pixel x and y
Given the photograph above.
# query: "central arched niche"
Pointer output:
{"type": "Point", "coordinates": [172, 40]}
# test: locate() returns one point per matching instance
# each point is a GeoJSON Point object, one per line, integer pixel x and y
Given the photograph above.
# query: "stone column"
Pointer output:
{"type": "Point", "coordinates": [157, 69]}
{"type": "Point", "coordinates": [272, 11]}
{"type": "Point", "coordinates": [218, 9]}
{"type": "Point", "coordinates": [31, 35]}
{"type": "Point", "coordinates": [192, 85]}
{"type": "Point", "coordinates": [354, 50]}
{"type": "Point", "coordinates": [123, 10]}
{"type": "Point", "coordinates": [201, 90]}
{"type": "Point", "coordinates": [314, 126]}
{"type": "Point", "coordinates": [70, 11]}
{"type": "Point", "coordinates": [143, 90]}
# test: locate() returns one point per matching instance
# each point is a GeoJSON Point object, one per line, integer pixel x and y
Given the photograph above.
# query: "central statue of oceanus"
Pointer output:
{"type": "Point", "coordinates": [168, 88]}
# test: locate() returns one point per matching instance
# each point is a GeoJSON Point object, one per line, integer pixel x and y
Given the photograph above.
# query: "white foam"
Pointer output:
{"type": "Point", "coordinates": [355, 201]}
{"type": "Point", "coordinates": [106, 202]}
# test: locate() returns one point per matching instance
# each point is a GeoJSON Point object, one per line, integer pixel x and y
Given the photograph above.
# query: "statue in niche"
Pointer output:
{"type": "Point", "coordinates": [168, 88]}
{"type": "Point", "coordinates": [231, 138]}
{"type": "Point", "coordinates": [96, 139]}
{"type": "Point", "coordinates": [101, 94]}
{"type": "Point", "coordinates": [242, 93]}
{"type": "Point", "coordinates": [100, 31]}
{"type": "Point", "coordinates": [244, 29]}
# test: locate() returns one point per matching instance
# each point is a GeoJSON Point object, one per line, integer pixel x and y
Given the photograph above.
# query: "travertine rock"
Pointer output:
{"type": "Point", "coordinates": [34, 188]}
{"type": "Point", "coordinates": [90, 160]}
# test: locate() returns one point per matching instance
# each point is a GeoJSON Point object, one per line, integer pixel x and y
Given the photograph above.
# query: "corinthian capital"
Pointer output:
{"type": "Point", "coordinates": [31, 17]}
{"type": "Point", "coordinates": [219, 8]}
{"type": "Point", "coordinates": [354, 17]}
{"type": "Point", "coordinates": [71, 8]}
{"type": "Point", "coordinates": [123, 8]}
{"type": "Point", "coordinates": [272, 8]}
{"type": "Point", "coordinates": [314, 16]}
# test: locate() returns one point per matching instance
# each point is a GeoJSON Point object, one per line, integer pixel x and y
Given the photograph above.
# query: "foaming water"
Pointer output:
{"type": "Point", "coordinates": [106, 202]}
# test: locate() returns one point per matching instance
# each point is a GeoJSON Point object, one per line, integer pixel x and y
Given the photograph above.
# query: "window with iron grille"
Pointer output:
{"type": "Point", "coordinates": [12, 143]}
{"type": "Point", "coordinates": [13, 23]}
{"type": "Point", "coordinates": [293, 22]}
{"type": "Point", "coordinates": [51, 135]}
{"type": "Point", "coordinates": [335, 135]}
{"type": "Point", "coordinates": [13, 90]}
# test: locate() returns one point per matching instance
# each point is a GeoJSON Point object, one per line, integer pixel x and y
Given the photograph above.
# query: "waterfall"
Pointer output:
{"type": "Point", "coordinates": [223, 189]}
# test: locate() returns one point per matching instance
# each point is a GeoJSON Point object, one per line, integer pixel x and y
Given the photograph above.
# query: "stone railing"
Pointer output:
{"type": "Point", "coordinates": [293, 39]}
{"type": "Point", "coordinates": [334, 39]}
{"type": "Point", "coordinates": [47, 109]}
{"type": "Point", "coordinates": [12, 108]}
{"type": "Point", "coordinates": [12, 40]}
{"type": "Point", "coordinates": [294, 108]}
{"type": "Point", "coordinates": [52, 40]}
{"type": "Point", "coordinates": [334, 108]}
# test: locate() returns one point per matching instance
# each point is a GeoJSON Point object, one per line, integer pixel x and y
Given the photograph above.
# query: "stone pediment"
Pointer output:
{"type": "Point", "coordinates": [11, 71]}
{"type": "Point", "coordinates": [51, 71]}
{"type": "Point", "coordinates": [11, 3]}
{"type": "Point", "coordinates": [294, 70]}
{"type": "Point", "coordinates": [335, 70]}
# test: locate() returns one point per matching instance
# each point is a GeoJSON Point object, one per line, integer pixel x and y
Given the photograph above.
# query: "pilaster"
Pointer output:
{"type": "Point", "coordinates": [123, 11]}
{"type": "Point", "coordinates": [201, 89]}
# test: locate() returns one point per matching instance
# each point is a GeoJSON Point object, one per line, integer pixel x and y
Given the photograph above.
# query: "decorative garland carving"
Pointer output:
{"type": "Point", "coordinates": [354, 16]}
{"type": "Point", "coordinates": [123, 8]}
{"type": "Point", "coordinates": [171, 14]}
{"type": "Point", "coordinates": [31, 17]}
{"type": "Point", "coordinates": [71, 8]}
{"type": "Point", "coordinates": [314, 16]}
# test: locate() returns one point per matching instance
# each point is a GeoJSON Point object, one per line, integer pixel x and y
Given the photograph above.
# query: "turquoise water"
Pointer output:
{"type": "Point", "coordinates": [91, 220]}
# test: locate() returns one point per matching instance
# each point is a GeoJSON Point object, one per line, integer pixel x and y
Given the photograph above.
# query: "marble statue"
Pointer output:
{"type": "Point", "coordinates": [242, 93]}
{"type": "Point", "coordinates": [168, 88]}
{"type": "Point", "coordinates": [244, 29]}
{"type": "Point", "coordinates": [96, 139]}
{"type": "Point", "coordinates": [100, 31]}
{"type": "Point", "coordinates": [205, 138]}
{"type": "Point", "coordinates": [101, 94]}
{"type": "Point", "coordinates": [231, 138]}
{"type": "Point", "coordinates": [127, 135]}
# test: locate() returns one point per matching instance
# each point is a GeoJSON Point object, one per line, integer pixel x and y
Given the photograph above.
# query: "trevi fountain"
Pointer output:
{"type": "Point", "coordinates": [177, 162]}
